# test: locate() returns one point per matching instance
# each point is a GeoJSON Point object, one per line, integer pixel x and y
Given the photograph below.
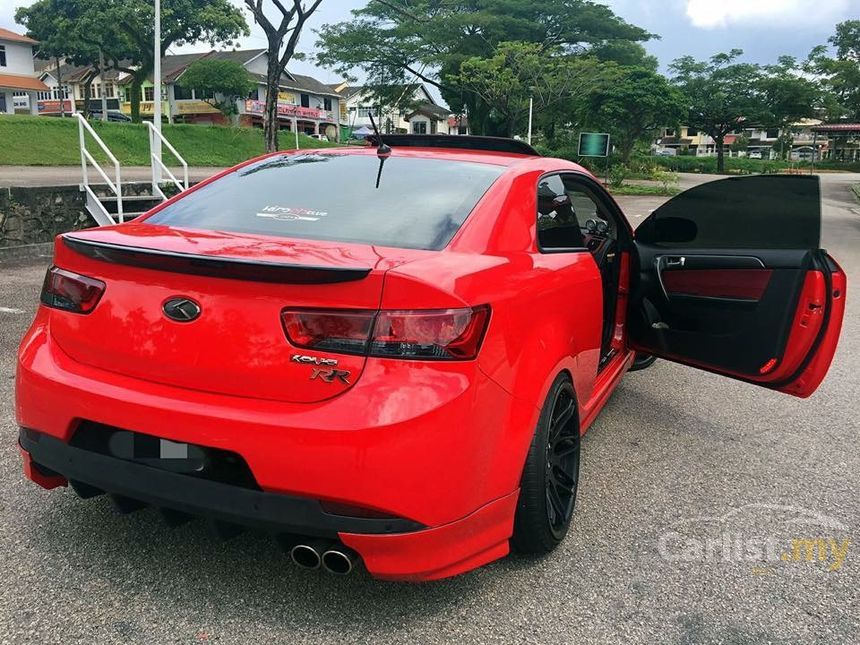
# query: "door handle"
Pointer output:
{"type": "Point", "coordinates": [668, 262]}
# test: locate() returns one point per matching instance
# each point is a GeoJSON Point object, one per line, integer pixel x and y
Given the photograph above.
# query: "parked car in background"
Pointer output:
{"type": "Point", "coordinates": [112, 115]}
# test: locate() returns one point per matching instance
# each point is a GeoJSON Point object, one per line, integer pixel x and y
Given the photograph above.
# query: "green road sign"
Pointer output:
{"type": "Point", "coordinates": [593, 144]}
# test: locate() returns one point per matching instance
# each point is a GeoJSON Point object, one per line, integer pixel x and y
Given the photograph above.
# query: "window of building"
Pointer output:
{"type": "Point", "coordinates": [148, 93]}
{"type": "Point", "coordinates": [669, 132]}
{"type": "Point", "coordinates": [182, 93]}
{"type": "Point", "coordinates": [306, 100]}
{"type": "Point", "coordinates": [327, 104]}
{"type": "Point", "coordinates": [2, 55]}
{"type": "Point", "coordinates": [43, 96]}
{"type": "Point", "coordinates": [364, 111]}
{"type": "Point", "coordinates": [254, 95]}
{"type": "Point", "coordinates": [203, 95]}
{"type": "Point", "coordinates": [692, 132]}
{"type": "Point", "coordinates": [772, 134]}
{"type": "Point", "coordinates": [419, 127]}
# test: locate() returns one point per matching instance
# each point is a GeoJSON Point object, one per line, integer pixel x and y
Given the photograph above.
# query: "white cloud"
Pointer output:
{"type": "Point", "coordinates": [709, 14]}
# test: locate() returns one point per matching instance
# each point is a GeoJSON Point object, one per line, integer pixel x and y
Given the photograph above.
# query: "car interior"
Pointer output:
{"type": "Point", "coordinates": [572, 216]}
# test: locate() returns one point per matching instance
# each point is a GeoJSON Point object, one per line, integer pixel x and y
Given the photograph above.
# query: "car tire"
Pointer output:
{"type": "Point", "coordinates": [642, 361]}
{"type": "Point", "coordinates": [551, 474]}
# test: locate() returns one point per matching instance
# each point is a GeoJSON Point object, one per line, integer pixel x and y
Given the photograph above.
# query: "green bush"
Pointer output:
{"type": "Point", "coordinates": [744, 166]}
{"type": "Point", "coordinates": [617, 175]}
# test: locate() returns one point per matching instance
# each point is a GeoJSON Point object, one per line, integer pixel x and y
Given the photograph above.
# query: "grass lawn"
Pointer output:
{"type": "Point", "coordinates": [638, 189]}
{"type": "Point", "coordinates": [49, 141]}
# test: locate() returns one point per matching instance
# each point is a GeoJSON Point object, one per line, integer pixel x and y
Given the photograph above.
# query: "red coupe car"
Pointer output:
{"type": "Point", "coordinates": [390, 355]}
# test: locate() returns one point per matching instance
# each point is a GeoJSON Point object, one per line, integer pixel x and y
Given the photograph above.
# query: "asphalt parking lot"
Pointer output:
{"type": "Point", "coordinates": [674, 448]}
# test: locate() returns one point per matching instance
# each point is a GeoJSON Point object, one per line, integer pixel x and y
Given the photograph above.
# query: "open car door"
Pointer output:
{"type": "Point", "coordinates": [731, 279]}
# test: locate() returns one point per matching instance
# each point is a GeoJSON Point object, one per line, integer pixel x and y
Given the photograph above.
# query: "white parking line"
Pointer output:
{"type": "Point", "coordinates": [10, 310]}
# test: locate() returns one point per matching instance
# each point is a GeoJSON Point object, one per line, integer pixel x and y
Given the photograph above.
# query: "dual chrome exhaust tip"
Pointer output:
{"type": "Point", "coordinates": [335, 559]}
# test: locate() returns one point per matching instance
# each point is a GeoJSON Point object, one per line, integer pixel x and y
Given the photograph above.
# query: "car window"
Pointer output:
{"type": "Point", "coordinates": [760, 212]}
{"type": "Point", "coordinates": [564, 205]}
{"type": "Point", "coordinates": [419, 203]}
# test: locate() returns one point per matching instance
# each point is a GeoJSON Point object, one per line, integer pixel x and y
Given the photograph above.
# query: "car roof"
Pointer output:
{"type": "Point", "coordinates": [511, 160]}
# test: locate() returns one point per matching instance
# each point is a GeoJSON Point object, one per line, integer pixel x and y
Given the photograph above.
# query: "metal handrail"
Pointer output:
{"type": "Point", "coordinates": [157, 162]}
{"type": "Point", "coordinates": [116, 185]}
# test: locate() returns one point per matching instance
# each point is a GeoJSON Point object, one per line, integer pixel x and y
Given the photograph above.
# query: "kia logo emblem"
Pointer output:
{"type": "Point", "coordinates": [181, 309]}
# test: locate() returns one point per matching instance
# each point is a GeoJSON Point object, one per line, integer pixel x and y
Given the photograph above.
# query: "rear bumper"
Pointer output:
{"type": "Point", "coordinates": [274, 512]}
{"type": "Point", "coordinates": [443, 449]}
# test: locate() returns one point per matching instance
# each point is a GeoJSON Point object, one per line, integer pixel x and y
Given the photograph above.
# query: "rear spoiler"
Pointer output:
{"type": "Point", "coordinates": [214, 267]}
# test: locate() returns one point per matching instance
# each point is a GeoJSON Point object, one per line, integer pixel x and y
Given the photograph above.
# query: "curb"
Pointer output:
{"type": "Point", "coordinates": [10, 254]}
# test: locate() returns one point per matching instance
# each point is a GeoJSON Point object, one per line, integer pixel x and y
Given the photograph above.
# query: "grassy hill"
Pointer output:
{"type": "Point", "coordinates": [47, 141]}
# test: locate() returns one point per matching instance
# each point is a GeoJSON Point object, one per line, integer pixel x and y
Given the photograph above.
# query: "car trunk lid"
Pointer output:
{"type": "Point", "coordinates": [241, 284]}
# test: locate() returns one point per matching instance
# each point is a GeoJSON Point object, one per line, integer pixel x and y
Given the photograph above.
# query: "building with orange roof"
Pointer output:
{"type": "Point", "coordinates": [19, 85]}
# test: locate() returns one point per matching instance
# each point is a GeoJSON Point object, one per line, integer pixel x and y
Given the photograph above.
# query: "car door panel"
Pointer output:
{"type": "Point", "coordinates": [758, 314]}
{"type": "Point", "coordinates": [726, 284]}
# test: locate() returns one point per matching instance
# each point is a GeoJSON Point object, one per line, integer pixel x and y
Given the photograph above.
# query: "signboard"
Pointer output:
{"type": "Point", "coordinates": [593, 144]}
{"type": "Point", "coordinates": [258, 107]}
{"type": "Point", "coordinates": [146, 108]}
{"type": "Point", "coordinates": [286, 97]}
{"type": "Point", "coordinates": [53, 107]}
{"type": "Point", "coordinates": [195, 107]}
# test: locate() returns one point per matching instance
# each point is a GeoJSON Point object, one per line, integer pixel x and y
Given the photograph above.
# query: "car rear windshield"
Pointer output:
{"type": "Point", "coordinates": [418, 203]}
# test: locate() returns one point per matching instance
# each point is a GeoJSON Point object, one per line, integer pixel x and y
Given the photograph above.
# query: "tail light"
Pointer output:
{"type": "Point", "coordinates": [443, 334]}
{"type": "Point", "coordinates": [71, 291]}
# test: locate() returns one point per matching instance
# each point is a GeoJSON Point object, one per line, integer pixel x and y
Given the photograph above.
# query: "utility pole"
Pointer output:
{"type": "Point", "coordinates": [103, 84]}
{"type": "Point", "coordinates": [531, 110]}
{"type": "Point", "coordinates": [156, 90]}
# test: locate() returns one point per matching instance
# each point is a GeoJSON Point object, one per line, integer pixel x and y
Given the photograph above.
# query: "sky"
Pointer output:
{"type": "Point", "coordinates": [764, 29]}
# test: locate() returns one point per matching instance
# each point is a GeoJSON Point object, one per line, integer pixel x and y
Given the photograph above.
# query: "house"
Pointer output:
{"type": "Point", "coordinates": [69, 98]}
{"type": "Point", "coordinates": [415, 111]}
{"type": "Point", "coordinates": [762, 142]}
{"type": "Point", "coordinates": [303, 101]}
{"type": "Point", "coordinates": [18, 82]}
{"type": "Point", "coordinates": [842, 141]}
{"type": "Point", "coordinates": [685, 139]}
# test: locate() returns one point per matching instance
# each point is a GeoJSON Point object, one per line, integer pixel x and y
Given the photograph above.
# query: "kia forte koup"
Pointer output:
{"type": "Point", "coordinates": [388, 354]}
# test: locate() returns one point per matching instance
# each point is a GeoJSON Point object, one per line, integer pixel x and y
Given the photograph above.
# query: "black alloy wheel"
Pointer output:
{"type": "Point", "coordinates": [551, 474]}
{"type": "Point", "coordinates": [562, 463]}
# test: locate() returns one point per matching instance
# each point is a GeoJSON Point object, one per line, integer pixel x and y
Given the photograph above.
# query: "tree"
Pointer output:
{"type": "Point", "coordinates": [225, 80]}
{"type": "Point", "coordinates": [786, 95]}
{"type": "Point", "coordinates": [740, 144]}
{"type": "Point", "coordinates": [839, 74]}
{"type": "Point", "coordinates": [126, 30]}
{"type": "Point", "coordinates": [633, 104]}
{"type": "Point", "coordinates": [57, 25]}
{"type": "Point", "coordinates": [720, 95]}
{"type": "Point", "coordinates": [520, 71]}
{"type": "Point", "coordinates": [429, 40]}
{"type": "Point", "coordinates": [291, 22]}
{"type": "Point", "coordinates": [626, 53]}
